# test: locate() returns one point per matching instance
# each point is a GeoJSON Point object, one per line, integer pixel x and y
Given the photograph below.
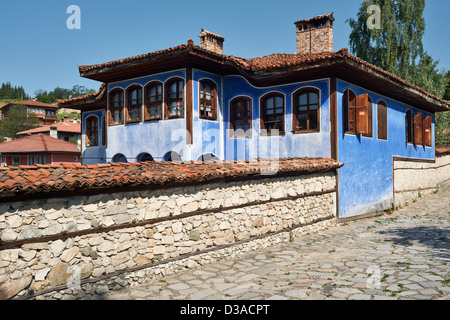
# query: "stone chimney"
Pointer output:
{"type": "Point", "coordinates": [54, 132]}
{"type": "Point", "coordinates": [315, 35]}
{"type": "Point", "coordinates": [211, 41]}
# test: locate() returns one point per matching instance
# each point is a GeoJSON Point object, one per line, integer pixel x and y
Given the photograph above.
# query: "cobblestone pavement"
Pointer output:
{"type": "Point", "coordinates": [403, 255]}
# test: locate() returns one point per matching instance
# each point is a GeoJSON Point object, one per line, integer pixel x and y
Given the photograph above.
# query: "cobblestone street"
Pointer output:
{"type": "Point", "coordinates": [403, 255]}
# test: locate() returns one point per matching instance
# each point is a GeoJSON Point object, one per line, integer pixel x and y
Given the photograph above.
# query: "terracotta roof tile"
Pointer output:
{"type": "Point", "coordinates": [330, 15]}
{"type": "Point", "coordinates": [64, 177]}
{"type": "Point", "coordinates": [279, 61]}
{"type": "Point", "coordinates": [60, 126]}
{"type": "Point", "coordinates": [35, 103]}
{"type": "Point", "coordinates": [38, 143]}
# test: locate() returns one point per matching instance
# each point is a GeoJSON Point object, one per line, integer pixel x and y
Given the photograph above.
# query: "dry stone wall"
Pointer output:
{"type": "Point", "coordinates": [414, 179]}
{"type": "Point", "coordinates": [82, 246]}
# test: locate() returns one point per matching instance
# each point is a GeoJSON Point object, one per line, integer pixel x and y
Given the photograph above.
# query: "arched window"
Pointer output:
{"type": "Point", "coordinates": [134, 104]}
{"type": "Point", "coordinates": [208, 100]}
{"type": "Point", "coordinates": [174, 98]}
{"type": "Point", "coordinates": [116, 107]}
{"type": "Point", "coordinates": [306, 110]}
{"type": "Point", "coordinates": [119, 158]}
{"type": "Point", "coordinates": [382, 120]}
{"type": "Point", "coordinates": [144, 157]}
{"type": "Point", "coordinates": [91, 131]}
{"type": "Point", "coordinates": [172, 157]}
{"type": "Point", "coordinates": [272, 112]}
{"type": "Point", "coordinates": [241, 116]}
{"type": "Point", "coordinates": [154, 100]}
{"type": "Point", "coordinates": [349, 111]}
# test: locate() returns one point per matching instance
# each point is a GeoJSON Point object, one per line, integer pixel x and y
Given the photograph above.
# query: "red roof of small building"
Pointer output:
{"type": "Point", "coordinates": [60, 126]}
{"type": "Point", "coordinates": [38, 143]}
{"type": "Point", "coordinates": [35, 103]}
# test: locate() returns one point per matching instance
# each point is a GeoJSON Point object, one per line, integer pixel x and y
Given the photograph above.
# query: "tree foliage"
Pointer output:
{"type": "Point", "coordinates": [17, 120]}
{"type": "Point", "coordinates": [397, 48]}
{"type": "Point", "coordinates": [61, 93]}
{"type": "Point", "coordinates": [8, 92]}
{"type": "Point", "coordinates": [397, 45]}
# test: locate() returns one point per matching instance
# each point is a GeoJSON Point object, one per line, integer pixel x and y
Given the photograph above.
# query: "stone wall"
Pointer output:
{"type": "Point", "coordinates": [414, 179]}
{"type": "Point", "coordinates": [81, 246]}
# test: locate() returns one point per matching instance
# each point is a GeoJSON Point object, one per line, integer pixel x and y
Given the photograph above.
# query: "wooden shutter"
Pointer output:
{"type": "Point", "coordinates": [418, 129]}
{"type": "Point", "coordinates": [427, 136]}
{"type": "Point", "coordinates": [362, 114]}
{"type": "Point", "coordinates": [110, 118]}
{"type": "Point", "coordinates": [382, 120]}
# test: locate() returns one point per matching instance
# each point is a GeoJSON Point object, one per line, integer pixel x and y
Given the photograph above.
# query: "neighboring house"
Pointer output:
{"type": "Point", "coordinates": [67, 130]}
{"type": "Point", "coordinates": [45, 112]}
{"type": "Point", "coordinates": [195, 103]}
{"type": "Point", "coordinates": [38, 149]}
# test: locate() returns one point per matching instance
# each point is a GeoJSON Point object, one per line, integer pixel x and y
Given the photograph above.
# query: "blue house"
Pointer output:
{"type": "Point", "coordinates": [193, 102]}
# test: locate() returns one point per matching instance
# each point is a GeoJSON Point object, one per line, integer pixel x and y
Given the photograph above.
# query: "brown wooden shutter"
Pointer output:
{"type": "Point", "coordinates": [427, 136]}
{"type": "Point", "coordinates": [362, 114]}
{"type": "Point", "coordinates": [418, 129]}
{"type": "Point", "coordinates": [110, 118]}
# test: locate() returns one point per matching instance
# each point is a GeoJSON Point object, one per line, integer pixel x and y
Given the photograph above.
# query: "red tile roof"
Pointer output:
{"type": "Point", "coordinates": [64, 177]}
{"type": "Point", "coordinates": [209, 33]}
{"type": "Point", "coordinates": [35, 103]}
{"type": "Point", "coordinates": [278, 62]}
{"type": "Point", "coordinates": [38, 143]}
{"type": "Point", "coordinates": [327, 16]}
{"type": "Point", "coordinates": [60, 126]}
{"type": "Point", "coordinates": [86, 98]}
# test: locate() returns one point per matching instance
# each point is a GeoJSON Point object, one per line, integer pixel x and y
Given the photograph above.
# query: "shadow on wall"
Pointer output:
{"type": "Point", "coordinates": [436, 239]}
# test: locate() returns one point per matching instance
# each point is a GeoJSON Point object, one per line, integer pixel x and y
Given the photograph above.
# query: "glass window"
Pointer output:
{"type": "Point", "coordinates": [208, 100]}
{"type": "Point", "coordinates": [175, 99]}
{"type": "Point", "coordinates": [272, 113]}
{"type": "Point", "coordinates": [241, 116]}
{"type": "Point", "coordinates": [306, 110]}
{"type": "Point", "coordinates": [154, 102]}
{"type": "Point", "coordinates": [134, 104]}
{"type": "Point", "coordinates": [116, 107]}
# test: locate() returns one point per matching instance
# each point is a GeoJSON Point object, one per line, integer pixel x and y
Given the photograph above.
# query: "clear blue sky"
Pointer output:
{"type": "Point", "coordinates": [38, 51]}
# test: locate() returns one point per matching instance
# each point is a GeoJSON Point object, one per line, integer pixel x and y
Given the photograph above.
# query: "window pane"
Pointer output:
{"type": "Point", "coordinates": [303, 99]}
{"type": "Point", "coordinates": [278, 102]}
{"type": "Point", "coordinates": [302, 122]}
{"type": "Point", "coordinates": [313, 124]}
{"type": "Point", "coordinates": [313, 98]}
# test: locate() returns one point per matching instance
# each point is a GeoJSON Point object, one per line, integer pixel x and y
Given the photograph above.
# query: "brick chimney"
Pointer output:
{"type": "Point", "coordinates": [315, 35]}
{"type": "Point", "coordinates": [211, 41]}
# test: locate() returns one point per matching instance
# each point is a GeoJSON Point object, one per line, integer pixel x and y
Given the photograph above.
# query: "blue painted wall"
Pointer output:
{"type": "Point", "coordinates": [287, 145]}
{"type": "Point", "coordinates": [366, 181]}
{"type": "Point", "coordinates": [156, 138]}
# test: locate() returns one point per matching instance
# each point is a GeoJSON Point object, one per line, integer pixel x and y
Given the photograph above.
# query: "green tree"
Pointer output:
{"type": "Point", "coordinates": [397, 45]}
{"type": "Point", "coordinates": [61, 94]}
{"type": "Point", "coordinates": [397, 48]}
{"type": "Point", "coordinates": [443, 119]}
{"type": "Point", "coordinates": [8, 92]}
{"type": "Point", "coordinates": [17, 120]}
